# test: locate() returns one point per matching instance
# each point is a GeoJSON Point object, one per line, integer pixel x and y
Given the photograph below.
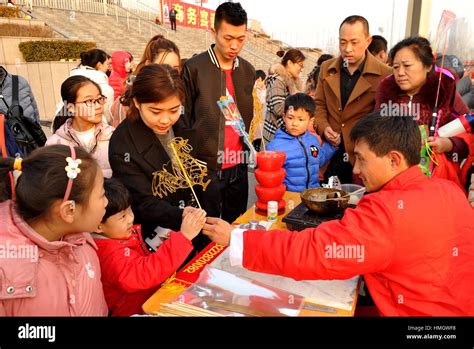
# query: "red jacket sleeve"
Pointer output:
{"type": "Point", "coordinates": [314, 254]}
{"type": "Point", "coordinates": [459, 105]}
{"type": "Point", "coordinates": [130, 271]}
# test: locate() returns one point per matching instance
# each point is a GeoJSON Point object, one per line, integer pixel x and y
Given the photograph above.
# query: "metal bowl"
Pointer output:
{"type": "Point", "coordinates": [322, 205]}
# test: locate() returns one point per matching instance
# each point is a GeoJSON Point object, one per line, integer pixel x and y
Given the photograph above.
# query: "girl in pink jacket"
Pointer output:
{"type": "Point", "coordinates": [48, 265]}
{"type": "Point", "coordinates": [80, 124]}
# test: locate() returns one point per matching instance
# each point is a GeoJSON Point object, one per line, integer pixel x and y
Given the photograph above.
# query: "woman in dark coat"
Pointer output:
{"type": "Point", "coordinates": [141, 157]}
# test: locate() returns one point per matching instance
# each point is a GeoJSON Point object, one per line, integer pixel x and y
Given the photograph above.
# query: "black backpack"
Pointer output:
{"type": "Point", "coordinates": [27, 133]}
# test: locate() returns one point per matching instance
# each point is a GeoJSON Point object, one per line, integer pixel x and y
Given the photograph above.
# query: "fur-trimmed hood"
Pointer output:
{"type": "Point", "coordinates": [278, 71]}
{"type": "Point", "coordinates": [389, 90]}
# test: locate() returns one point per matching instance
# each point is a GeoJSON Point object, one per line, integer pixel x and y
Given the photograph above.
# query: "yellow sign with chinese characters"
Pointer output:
{"type": "Point", "coordinates": [191, 15]}
{"type": "Point", "coordinates": [204, 15]}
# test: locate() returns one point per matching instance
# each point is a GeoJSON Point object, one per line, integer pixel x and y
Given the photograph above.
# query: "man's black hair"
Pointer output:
{"type": "Point", "coordinates": [260, 74]}
{"type": "Point", "coordinates": [386, 133]}
{"type": "Point", "coordinates": [378, 44]}
{"type": "Point", "coordinates": [231, 12]}
{"type": "Point", "coordinates": [301, 101]}
{"type": "Point", "coordinates": [117, 195]}
{"type": "Point", "coordinates": [323, 58]}
{"type": "Point", "coordinates": [354, 19]}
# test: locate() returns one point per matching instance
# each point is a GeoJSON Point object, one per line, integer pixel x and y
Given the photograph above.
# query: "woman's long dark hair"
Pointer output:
{"type": "Point", "coordinates": [92, 57]}
{"type": "Point", "coordinates": [156, 46]}
{"type": "Point", "coordinates": [294, 55]}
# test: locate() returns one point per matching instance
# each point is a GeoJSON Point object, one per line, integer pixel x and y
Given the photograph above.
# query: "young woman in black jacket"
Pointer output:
{"type": "Point", "coordinates": [141, 157]}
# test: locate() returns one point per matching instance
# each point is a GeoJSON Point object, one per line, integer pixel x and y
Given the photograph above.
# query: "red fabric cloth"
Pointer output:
{"type": "Point", "coordinates": [452, 170]}
{"type": "Point", "coordinates": [131, 274]}
{"type": "Point", "coordinates": [446, 169]}
{"type": "Point", "coordinates": [119, 74]}
{"type": "Point", "coordinates": [418, 239]}
{"type": "Point", "coordinates": [232, 143]}
{"type": "Point", "coordinates": [469, 140]}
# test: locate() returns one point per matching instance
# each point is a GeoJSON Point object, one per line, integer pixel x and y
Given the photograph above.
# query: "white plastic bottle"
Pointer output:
{"type": "Point", "coordinates": [272, 211]}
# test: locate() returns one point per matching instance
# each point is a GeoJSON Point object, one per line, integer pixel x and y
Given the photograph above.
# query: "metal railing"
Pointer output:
{"type": "Point", "coordinates": [90, 6]}
{"type": "Point", "coordinates": [143, 21]}
{"type": "Point", "coordinates": [145, 18]}
{"type": "Point", "coordinates": [60, 33]}
{"type": "Point", "coordinates": [263, 43]}
{"type": "Point", "coordinates": [256, 55]}
{"type": "Point", "coordinates": [150, 12]}
{"type": "Point", "coordinates": [271, 46]}
{"type": "Point", "coordinates": [140, 15]}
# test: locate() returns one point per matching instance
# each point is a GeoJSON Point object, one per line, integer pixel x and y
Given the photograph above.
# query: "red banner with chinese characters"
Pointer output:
{"type": "Point", "coordinates": [188, 15]}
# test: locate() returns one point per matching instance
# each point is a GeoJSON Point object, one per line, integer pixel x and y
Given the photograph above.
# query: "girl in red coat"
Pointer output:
{"type": "Point", "coordinates": [122, 64]}
{"type": "Point", "coordinates": [130, 273]}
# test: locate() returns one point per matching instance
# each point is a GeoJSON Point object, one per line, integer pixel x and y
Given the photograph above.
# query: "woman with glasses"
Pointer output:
{"type": "Point", "coordinates": [283, 81]}
{"type": "Point", "coordinates": [95, 65]}
{"type": "Point", "coordinates": [79, 122]}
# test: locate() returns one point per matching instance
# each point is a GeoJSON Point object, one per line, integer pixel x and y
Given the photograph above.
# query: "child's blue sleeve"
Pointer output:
{"type": "Point", "coordinates": [326, 151]}
{"type": "Point", "coordinates": [273, 145]}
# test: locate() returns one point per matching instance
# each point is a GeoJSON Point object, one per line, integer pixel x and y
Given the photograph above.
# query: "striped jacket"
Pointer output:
{"type": "Point", "coordinates": [279, 86]}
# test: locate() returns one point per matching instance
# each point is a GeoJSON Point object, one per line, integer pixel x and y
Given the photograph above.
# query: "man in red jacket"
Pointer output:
{"type": "Point", "coordinates": [412, 237]}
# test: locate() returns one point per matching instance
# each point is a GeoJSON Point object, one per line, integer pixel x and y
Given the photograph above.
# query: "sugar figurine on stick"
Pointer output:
{"type": "Point", "coordinates": [232, 115]}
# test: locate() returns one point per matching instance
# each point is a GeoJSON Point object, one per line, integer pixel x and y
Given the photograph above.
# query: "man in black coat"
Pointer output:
{"type": "Point", "coordinates": [208, 76]}
{"type": "Point", "coordinates": [173, 19]}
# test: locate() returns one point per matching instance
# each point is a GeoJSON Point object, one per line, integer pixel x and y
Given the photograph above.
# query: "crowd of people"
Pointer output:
{"type": "Point", "coordinates": [104, 246]}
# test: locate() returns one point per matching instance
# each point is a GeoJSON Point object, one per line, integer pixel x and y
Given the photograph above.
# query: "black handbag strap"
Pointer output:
{"type": "Point", "coordinates": [15, 110]}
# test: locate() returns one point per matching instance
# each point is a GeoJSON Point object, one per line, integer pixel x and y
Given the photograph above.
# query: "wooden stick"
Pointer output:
{"type": "Point", "coordinates": [183, 309]}
{"type": "Point", "coordinates": [263, 139]}
{"type": "Point", "coordinates": [194, 309]}
{"type": "Point", "coordinates": [185, 173]}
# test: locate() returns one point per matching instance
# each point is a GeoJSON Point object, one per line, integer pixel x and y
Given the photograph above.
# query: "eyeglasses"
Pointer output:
{"type": "Point", "coordinates": [301, 65]}
{"type": "Point", "coordinates": [91, 102]}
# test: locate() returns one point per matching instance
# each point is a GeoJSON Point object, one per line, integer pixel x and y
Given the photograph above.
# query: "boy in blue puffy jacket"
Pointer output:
{"type": "Point", "coordinates": [304, 153]}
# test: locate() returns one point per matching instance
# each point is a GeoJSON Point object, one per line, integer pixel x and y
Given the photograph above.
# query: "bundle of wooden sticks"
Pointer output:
{"type": "Point", "coordinates": [177, 309]}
